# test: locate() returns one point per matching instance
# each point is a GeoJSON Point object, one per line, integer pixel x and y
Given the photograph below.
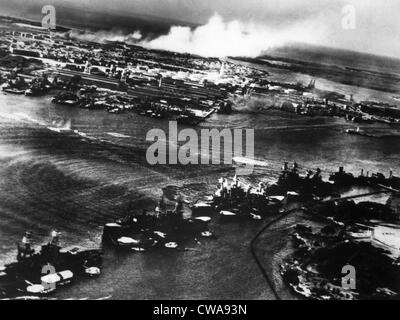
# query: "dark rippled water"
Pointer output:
{"type": "Point", "coordinates": [78, 182]}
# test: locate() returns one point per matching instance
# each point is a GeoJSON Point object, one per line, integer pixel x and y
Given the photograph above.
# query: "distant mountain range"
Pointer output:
{"type": "Point", "coordinates": [91, 19]}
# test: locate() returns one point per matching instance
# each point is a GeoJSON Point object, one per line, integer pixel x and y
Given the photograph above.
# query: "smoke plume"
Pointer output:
{"type": "Point", "coordinates": [218, 38]}
{"type": "Point", "coordinates": [114, 35]}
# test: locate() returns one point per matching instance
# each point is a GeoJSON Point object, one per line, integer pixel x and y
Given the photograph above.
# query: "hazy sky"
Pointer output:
{"type": "Point", "coordinates": [316, 21]}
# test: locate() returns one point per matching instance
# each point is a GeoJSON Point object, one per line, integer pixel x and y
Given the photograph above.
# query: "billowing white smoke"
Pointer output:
{"type": "Point", "coordinates": [114, 35]}
{"type": "Point", "coordinates": [218, 38]}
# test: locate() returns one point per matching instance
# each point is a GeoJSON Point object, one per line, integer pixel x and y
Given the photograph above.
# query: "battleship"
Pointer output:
{"type": "Point", "coordinates": [159, 229]}
{"type": "Point", "coordinates": [342, 178]}
{"type": "Point", "coordinates": [13, 90]}
{"type": "Point", "coordinates": [43, 271]}
{"type": "Point", "coordinates": [238, 200]}
{"type": "Point", "coordinates": [67, 98]}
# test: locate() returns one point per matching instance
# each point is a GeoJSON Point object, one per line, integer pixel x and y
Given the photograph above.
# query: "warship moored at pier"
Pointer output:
{"type": "Point", "coordinates": [159, 229]}
{"type": "Point", "coordinates": [44, 271]}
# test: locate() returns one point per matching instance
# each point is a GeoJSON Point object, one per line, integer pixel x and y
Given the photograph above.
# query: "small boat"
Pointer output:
{"type": "Point", "coordinates": [361, 235]}
{"type": "Point", "coordinates": [93, 271]}
{"type": "Point", "coordinates": [115, 110]}
{"type": "Point", "coordinates": [171, 245]}
{"type": "Point", "coordinates": [70, 102]}
{"type": "Point", "coordinates": [127, 241]}
{"type": "Point", "coordinates": [14, 90]}
{"type": "Point", "coordinates": [203, 219]}
{"type": "Point", "coordinates": [292, 195]}
{"type": "Point", "coordinates": [160, 234]}
{"type": "Point", "coordinates": [255, 216]}
{"type": "Point", "coordinates": [357, 131]}
{"type": "Point", "coordinates": [206, 234]}
{"type": "Point", "coordinates": [277, 198]}
{"type": "Point", "coordinates": [226, 213]}
{"type": "Point", "coordinates": [113, 225]}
